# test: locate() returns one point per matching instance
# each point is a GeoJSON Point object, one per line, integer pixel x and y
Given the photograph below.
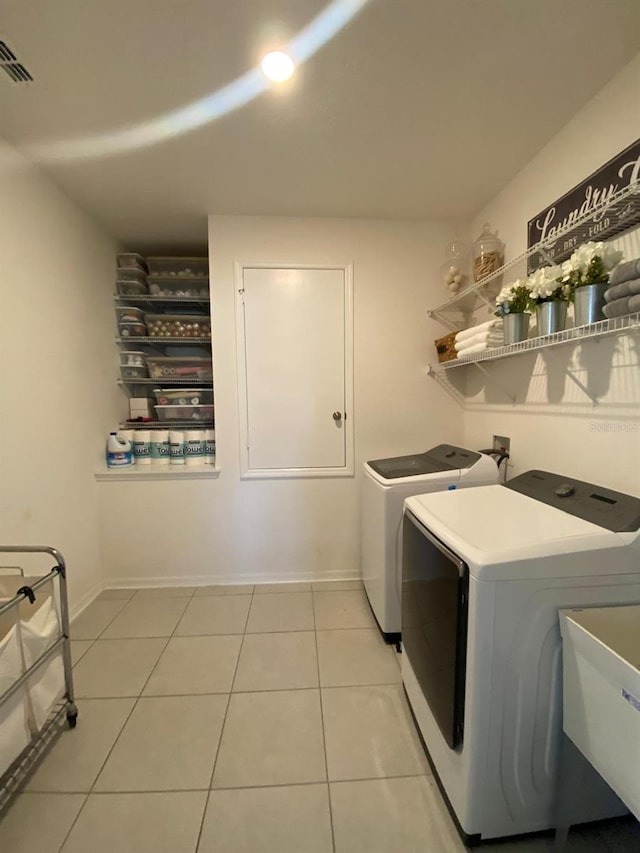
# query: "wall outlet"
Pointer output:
{"type": "Point", "coordinates": [501, 443]}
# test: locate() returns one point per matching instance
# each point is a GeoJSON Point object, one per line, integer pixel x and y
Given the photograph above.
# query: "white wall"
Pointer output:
{"type": "Point", "coordinates": [554, 425]}
{"type": "Point", "coordinates": [227, 529]}
{"type": "Point", "coordinates": [57, 368]}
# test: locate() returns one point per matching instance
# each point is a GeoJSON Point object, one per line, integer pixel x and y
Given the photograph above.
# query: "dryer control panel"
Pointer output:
{"type": "Point", "coordinates": [614, 511]}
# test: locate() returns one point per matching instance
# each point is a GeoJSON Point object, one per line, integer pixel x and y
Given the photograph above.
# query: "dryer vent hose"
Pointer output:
{"type": "Point", "coordinates": [499, 456]}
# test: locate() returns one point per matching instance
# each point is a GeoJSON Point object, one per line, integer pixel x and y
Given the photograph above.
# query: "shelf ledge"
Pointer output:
{"type": "Point", "coordinates": [578, 334]}
{"type": "Point", "coordinates": [157, 472]}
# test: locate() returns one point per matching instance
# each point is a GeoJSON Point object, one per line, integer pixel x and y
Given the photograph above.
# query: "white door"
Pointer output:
{"type": "Point", "coordinates": [294, 354]}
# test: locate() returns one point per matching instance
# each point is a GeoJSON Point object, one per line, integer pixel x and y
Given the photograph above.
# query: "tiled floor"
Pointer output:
{"type": "Point", "coordinates": [242, 720]}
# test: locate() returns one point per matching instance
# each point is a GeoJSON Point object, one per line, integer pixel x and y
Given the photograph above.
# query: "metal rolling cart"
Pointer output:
{"type": "Point", "coordinates": [36, 686]}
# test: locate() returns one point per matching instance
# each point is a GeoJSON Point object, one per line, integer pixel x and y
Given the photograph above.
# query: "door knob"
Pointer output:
{"type": "Point", "coordinates": [337, 416]}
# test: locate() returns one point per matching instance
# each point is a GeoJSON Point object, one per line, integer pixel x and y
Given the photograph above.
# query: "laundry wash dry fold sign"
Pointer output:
{"type": "Point", "coordinates": [553, 225]}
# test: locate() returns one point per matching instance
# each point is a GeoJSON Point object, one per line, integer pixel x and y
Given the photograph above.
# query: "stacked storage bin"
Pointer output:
{"type": "Point", "coordinates": [164, 330]}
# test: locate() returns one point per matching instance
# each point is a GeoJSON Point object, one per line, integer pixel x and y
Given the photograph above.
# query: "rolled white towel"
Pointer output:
{"type": "Point", "coordinates": [481, 327]}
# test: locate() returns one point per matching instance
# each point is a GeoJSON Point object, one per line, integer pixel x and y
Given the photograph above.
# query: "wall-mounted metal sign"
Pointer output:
{"type": "Point", "coordinates": [588, 206]}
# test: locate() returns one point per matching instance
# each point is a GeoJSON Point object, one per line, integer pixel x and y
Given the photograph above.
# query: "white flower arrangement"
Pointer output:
{"type": "Point", "coordinates": [514, 298]}
{"type": "Point", "coordinates": [549, 284]}
{"type": "Point", "coordinates": [591, 263]}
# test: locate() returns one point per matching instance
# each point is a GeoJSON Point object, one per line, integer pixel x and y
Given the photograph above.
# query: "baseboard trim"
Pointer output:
{"type": "Point", "coordinates": [223, 580]}
{"type": "Point", "coordinates": [85, 601]}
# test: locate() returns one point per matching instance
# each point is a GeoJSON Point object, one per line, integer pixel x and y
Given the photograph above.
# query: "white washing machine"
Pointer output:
{"type": "Point", "coordinates": [484, 574]}
{"type": "Point", "coordinates": [387, 482]}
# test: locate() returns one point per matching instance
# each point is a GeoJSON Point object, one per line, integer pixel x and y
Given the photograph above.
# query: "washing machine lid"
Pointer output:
{"type": "Point", "coordinates": [439, 459]}
{"type": "Point", "coordinates": [493, 525]}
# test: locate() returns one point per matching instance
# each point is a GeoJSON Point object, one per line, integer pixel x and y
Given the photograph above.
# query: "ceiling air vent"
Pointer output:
{"type": "Point", "coordinates": [9, 62]}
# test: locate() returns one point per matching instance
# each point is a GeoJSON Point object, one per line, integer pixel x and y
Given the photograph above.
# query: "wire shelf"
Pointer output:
{"type": "Point", "coordinates": [186, 424]}
{"type": "Point", "coordinates": [575, 335]}
{"type": "Point", "coordinates": [155, 342]}
{"type": "Point", "coordinates": [619, 213]}
{"type": "Point", "coordinates": [180, 382]}
{"type": "Point", "coordinates": [151, 299]}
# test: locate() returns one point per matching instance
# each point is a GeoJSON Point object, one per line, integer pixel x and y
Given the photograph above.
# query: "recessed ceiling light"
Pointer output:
{"type": "Point", "coordinates": [277, 66]}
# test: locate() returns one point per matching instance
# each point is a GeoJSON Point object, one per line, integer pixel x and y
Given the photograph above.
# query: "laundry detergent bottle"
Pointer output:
{"type": "Point", "coordinates": [118, 451]}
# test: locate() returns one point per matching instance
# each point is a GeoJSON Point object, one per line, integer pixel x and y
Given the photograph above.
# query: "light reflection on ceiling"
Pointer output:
{"type": "Point", "coordinates": [233, 96]}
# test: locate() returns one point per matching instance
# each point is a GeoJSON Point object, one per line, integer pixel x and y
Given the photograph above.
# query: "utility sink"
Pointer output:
{"type": "Point", "coordinates": [601, 695]}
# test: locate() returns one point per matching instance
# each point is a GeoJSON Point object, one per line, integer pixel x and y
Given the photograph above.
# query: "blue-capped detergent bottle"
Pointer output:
{"type": "Point", "coordinates": [119, 451]}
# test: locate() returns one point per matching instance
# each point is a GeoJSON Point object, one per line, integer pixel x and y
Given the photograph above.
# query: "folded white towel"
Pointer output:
{"type": "Point", "coordinates": [489, 343]}
{"type": "Point", "coordinates": [471, 350]}
{"type": "Point", "coordinates": [481, 327]}
{"type": "Point", "coordinates": [477, 348]}
{"type": "Point", "coordinates": [490, 337]}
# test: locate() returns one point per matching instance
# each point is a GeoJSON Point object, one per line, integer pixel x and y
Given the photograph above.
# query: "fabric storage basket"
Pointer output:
{"type": "Point", "coordinates": [15, 712]}
{"type": "Point", "coordinates": [445, 347]}
{"type": "Point", "coordinates": [38, 633]}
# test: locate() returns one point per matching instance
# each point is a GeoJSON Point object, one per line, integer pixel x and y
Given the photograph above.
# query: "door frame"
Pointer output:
{"type": "Point", "coordinates": [247, 473]}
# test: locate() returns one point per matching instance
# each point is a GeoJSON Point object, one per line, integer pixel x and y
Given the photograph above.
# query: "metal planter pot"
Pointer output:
{"type": "Point", "coordinates": [551, 317]}
{"type": "Point", "coordinates": [516, 328]}
{"type": "Point", "coordinates": [589, 302]}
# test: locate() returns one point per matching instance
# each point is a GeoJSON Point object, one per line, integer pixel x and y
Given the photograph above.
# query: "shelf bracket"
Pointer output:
{"type": "Point", "coordinates": [435, 315]}
{"type": "Point", "coordinates": [491, 380]}
{"type": "Point", "coordinates": [481, 294]}
{"type": "Point", "coordinates": [582, 386]}
{"type": "Point", "coordinates": [443, 381]}
{"type": "Point", "coordinates": [460, 398]}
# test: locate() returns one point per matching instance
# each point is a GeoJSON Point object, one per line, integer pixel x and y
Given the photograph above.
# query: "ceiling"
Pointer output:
{"type": "Point", "coordinates": [415, 109]}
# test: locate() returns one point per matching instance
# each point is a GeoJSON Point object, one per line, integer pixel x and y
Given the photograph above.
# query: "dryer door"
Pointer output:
{"type": "Point", "coordinates": [435, 595]}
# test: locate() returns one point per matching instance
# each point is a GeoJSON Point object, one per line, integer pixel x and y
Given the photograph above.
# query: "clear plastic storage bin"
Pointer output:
{"type": "Point", "coordinates": [180, 367]}
{"type": "Point", "coordinates": [132, 274]}
{"type": "Point", "coordinates": [132, 330]}
{"type": "Point", "coordinates": [132, 259]}
{"type": "Point", "coordinates": [178, 325]}
{"type": "Point", "coordinates": [131, 288]}
{"type": "Point", "coordinates": [133, 365]}
{"type": "Point", "coordinates": [183, 396]}
{"type": "Point", "coordinates": [183, 267]}
{"type": "Point", "coordinates": [184, 413]}
{"type": "Point", "coordinates": [127, 314]}
{"type": "Point", "coordinates": [178, 286]}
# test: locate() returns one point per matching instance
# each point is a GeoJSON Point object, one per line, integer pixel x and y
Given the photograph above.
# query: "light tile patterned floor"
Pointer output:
{"type": "Point", "coordinates": [243, 720]}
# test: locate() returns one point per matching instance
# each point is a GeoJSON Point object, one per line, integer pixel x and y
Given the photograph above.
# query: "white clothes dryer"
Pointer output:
{"type": "Point", "coordinates": [484, 574]}
{"type": "Point", "coordinates": [387, 482]}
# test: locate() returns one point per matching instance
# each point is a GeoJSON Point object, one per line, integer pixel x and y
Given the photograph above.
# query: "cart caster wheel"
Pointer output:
{"type": "Point", "coordinates": [399, 647]}
{"type": "Point", "coordinates": [72, 718]}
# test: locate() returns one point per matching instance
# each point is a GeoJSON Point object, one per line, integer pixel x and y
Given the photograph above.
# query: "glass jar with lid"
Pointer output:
{"type": "Point", "coordinates": [488, 253]}
{"type": "Point", "coordinates": [455, 269]}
